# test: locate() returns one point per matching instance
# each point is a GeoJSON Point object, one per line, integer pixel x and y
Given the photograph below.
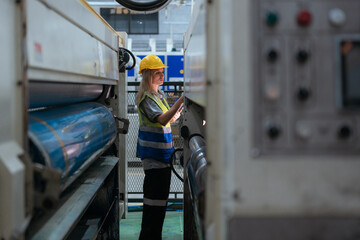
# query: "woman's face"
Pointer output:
{"type": "Point", "coordinates": [157, 76]}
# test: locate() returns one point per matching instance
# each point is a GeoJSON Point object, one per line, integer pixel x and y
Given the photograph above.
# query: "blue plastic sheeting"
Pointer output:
{"type": "Point", "coordinates": [68, 137]}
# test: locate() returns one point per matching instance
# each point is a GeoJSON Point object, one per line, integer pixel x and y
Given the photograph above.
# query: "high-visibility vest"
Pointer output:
{"type": "Point", "coordinates": [154, 140]}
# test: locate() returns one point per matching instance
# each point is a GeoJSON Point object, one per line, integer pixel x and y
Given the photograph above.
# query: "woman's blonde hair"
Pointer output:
{"type": "Point", "coordinates": [144, 85]}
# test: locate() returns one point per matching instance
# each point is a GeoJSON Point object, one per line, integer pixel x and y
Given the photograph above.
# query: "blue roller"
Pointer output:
{"type": "Point", "coordinates": [67, 138]}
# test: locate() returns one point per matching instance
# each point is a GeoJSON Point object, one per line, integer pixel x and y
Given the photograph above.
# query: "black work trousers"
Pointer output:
{"type": "Point", "coordinates": [156, 192]}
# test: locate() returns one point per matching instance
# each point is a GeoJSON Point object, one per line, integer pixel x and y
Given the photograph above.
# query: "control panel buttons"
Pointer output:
{"type": "Point", "coordinates": [337, 17]}
{"type": "Point", "coordinates": [273, 131]}
{"type": "Point", "coordinates": [303, 130]}
{"type": "Point", "coordinates": [304, 18]}
{"type": "Point", "coordinates": [302, 56]}
{"type": "Point", "coordinates": [272, 92]}
{"type": "Point", "coordinates": [303, 93]}
{"type": "Point", "coordinates": [271, 18]}
{"type": "Point", "coordinates": [272, 55]}
{"type": "Point", "coordinates": [344, 132]}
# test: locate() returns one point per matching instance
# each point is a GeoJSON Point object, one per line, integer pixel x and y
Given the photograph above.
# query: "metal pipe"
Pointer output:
{"type": "Point", "coordinates": [196, 173]}
{"type": "Point", "coordinates": [196, 142]}
{"type": "Point", "coordinates": [197, 165]}
{"type": "Point", "coordinates": [44, 94]}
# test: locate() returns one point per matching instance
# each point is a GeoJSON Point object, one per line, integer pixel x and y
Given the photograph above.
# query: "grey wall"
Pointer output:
{"type": "Point", "coordinates": [173, 23]}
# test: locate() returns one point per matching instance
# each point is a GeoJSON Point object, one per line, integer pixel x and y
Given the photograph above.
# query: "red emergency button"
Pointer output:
{"type": "Point", "coordinates": [304, 18]}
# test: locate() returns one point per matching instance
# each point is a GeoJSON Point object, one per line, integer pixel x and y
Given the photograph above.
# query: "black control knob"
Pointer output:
{"type": "Point", "coordinates": [302, 56]}
{"type": "Point", "coordinates": [303, 93]}
{"type": "Point", "coordinates": [272, 55]}
{"type": "Point", "coordinates": [344, 132]}
{"type": "Point", "coordinates": [271, 18]}
{"type": "Point", "coordinates": [273, 132]}
{"type": "Point", "coordinates": [185, 132]}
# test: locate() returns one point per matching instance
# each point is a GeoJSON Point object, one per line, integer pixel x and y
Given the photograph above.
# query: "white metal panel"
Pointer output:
{"type": "Point", "coordinates": [59, 46]}
{"type": "Point", "coordinates": [12, 172]}
{"type": "Point", "coordinates": [12, 190]}
{"type": "Point", "coordinates": [195, 57]}
{"type": "Point", "coordinates": [122, 111]}
{"type": "Point", "coordinates": [293, 185]}
{"type": "Point", "coordinates": [221, 132]}
{"type": "Point", "coordinates": [11, 100]}
{"type": "Point", "coordinates": [75, 12]}
{"type": "Point", "coordinates": [239, 185]}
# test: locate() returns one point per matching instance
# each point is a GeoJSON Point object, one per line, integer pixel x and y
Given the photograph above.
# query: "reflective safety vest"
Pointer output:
{"type": "Point", "coordinates": [154, 140]}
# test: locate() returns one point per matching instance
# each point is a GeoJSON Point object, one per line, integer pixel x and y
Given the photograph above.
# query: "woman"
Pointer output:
{"type": "Point", "coordinates": [155, 144]}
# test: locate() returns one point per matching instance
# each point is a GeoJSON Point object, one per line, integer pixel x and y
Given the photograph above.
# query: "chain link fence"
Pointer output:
{"type": "Point", "coordinates": [135, 177]}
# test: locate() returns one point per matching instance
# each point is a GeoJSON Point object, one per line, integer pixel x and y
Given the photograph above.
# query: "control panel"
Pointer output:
{"type": "Point", "coordinates": [306, 87]}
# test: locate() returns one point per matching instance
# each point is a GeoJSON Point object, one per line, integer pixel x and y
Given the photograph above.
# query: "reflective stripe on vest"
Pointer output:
{"type": "Point", "coordinates": [158, 203]}
{"type": "Point", "coordinates": [155, 140]}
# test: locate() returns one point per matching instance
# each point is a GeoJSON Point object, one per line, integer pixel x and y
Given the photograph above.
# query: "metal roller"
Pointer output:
{"type": "Point", "coordinates": [44, 94]}
{"type": "Point", "coordinates": [197, 164]}
{"type": "Point", "coordinates": [196, 172]}
{"type": "Point", "coordinates": [70, 138]}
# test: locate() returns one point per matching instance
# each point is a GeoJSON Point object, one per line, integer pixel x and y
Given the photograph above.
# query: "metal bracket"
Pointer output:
{"type": "Point", "coordinates": [124, 58]}
{"type": "Point", "coordinates": [125, 128]}
{"type": "Point", "coordinates": [47, 186]}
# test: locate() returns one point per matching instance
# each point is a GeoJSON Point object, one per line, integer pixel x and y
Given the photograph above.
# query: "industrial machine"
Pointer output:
{"type": "Point", "coordinates": [272, 88]}
{"type": "Point", "coordinates": [195, 125]}
{"type": "Point", "coordinates": [63, 123]}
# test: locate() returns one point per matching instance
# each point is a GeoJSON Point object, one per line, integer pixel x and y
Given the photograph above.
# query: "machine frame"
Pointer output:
{"type": "Point", "coordinates": [47, 41]}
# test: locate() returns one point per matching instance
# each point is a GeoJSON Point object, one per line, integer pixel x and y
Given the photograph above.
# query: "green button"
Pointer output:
{"type": "Point", "coordinates": [271, 18]}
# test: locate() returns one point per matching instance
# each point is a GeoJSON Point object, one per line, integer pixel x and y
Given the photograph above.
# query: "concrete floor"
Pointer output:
{"type": "Point", "coordinates": [172, 230]}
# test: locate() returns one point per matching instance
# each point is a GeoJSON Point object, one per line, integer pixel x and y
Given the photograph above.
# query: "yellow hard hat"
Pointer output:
{"type": "Point", "coordinates": [151, 62]}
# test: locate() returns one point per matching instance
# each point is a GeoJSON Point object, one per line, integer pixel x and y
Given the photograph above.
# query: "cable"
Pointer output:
{"type": "Point", "coordinates": [132, 56]}
{"type": "Point", "coordinates": [172, 165]}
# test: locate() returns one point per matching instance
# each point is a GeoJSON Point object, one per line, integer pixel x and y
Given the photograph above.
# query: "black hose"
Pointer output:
{"type": "Point", "coordinates": [147, 7]}
{"type": "Point", "coordinates": [132, 56]}
{"type": "Point", "coordinates": [172, 164]}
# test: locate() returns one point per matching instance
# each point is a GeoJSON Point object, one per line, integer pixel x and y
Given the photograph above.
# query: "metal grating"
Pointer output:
{"type": "Point", "coordinates": [135, 177]}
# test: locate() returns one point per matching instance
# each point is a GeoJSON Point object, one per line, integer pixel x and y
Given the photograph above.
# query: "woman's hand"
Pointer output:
{"type": "Point", "coordinates": [167, 117]}
{"type": "Point", "coordinates": [176, 116]}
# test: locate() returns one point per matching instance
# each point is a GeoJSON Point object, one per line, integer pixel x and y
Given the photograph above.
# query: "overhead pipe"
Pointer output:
{"type": "Point", "coordinates": [146, 7]}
